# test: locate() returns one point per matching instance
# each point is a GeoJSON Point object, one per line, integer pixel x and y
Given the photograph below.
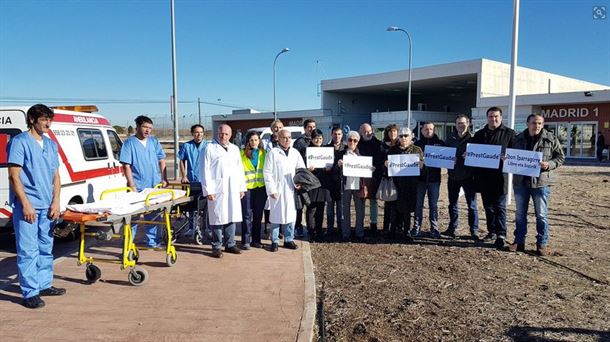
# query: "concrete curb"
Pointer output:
{"type": "Point", "coordinates": [308, 318]}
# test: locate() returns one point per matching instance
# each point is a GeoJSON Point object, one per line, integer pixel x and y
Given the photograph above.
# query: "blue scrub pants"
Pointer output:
{"type": "Point", "coordinates": [151, 230]}
{"type": "Point", "coordinates": [34, 251]}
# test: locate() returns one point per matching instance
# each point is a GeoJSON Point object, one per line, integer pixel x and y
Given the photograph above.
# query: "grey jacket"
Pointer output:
{"type": "Point", "coordinates": [552, 153]}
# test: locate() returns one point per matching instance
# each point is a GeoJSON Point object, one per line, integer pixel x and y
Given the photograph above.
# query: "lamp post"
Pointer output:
{"type": "Point", "coordinates": [393, 29]}
{"type": "Point", "coordinates": [275, 60]}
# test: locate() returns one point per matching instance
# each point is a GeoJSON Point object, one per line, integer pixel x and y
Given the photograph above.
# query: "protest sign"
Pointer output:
{"type": "Point", "coordinates": [400, 165]}
{"type": "Point", "coordinates": [357, 166]}
{"type": "Point", "coordinates": [522, 162]}
{"type": "Point", "coordinates": [439, 156]}
{"type": "Point", "coordinates": [320, 157]}
{"type": "Point", "coordinates": [481, 155]}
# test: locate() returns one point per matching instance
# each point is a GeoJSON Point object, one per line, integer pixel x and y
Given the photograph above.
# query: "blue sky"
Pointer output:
{"type": "Point", "coordinates": [104, 52]}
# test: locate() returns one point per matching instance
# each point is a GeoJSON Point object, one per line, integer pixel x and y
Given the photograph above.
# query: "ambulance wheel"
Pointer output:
{"type": "Point", "coordinates": [171, 259]}
{"type": "Point", "coordinates": [137, 276]}
{"type": "Point", "coordinates": [93, 273]}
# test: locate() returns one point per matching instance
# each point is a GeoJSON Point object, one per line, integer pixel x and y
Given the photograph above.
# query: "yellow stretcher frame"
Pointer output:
{"type": "Point", "coordinates": [137, 275]}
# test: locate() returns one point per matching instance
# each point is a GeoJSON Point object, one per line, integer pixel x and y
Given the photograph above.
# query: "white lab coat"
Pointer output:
{"type": "Point", "coordinates": [222, 175]}
{"type": "Point", "coordinates": [279, 172]}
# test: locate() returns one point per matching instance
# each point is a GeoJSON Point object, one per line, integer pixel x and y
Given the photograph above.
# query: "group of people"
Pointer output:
{"type": "Point", "coordinates": [269, 181]}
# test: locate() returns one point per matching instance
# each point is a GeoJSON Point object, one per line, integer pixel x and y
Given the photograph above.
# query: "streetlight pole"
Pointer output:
{"type": "Point", "coordinates": [393, 29]}
{"type": "Point", "coordinates": [275, 60]}
{"type": "Point", "coordinates": [175, 94]}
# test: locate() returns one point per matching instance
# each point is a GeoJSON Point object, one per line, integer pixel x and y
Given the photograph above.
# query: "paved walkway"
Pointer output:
{"type": "Point", "coordinates": [255, 296]}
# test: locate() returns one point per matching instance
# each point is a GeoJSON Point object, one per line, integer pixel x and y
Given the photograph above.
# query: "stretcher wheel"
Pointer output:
{"type": "Point", "coordinates": [137, 276]}
{"type": "Point", "coordinates": [171, 259]}
{"type": "Point", "coordinates": [199, 238]}
{"type": "Point", "coordinates": [132, 256]}
{"type": "Point", "coordinates": [93, 273]}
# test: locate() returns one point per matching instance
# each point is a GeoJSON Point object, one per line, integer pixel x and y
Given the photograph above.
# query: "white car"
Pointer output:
{"type": "Point", "coordinates": [265, 132]}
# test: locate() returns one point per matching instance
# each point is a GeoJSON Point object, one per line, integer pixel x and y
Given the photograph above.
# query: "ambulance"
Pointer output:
{"type": "Point", "coordinates": [88, 149]}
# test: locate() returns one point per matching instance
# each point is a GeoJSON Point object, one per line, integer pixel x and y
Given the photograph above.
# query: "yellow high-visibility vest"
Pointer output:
{"type": "Point", "coordinates": [254, 177]}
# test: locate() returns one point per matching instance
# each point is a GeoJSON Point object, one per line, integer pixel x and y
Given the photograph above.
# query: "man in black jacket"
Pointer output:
{"type": "Point", "coordinates": [493, 183]}
{"type": "Point", "coordinates": [429, 182]}
{"type": "Point", "coordinates": [301, 144]}
{"type": "Point", "coordinates": [461, 178]}
{"type": "Point", "coordinates": [369, 145]}
{"type": "Point", "coordinates": [335, 206]}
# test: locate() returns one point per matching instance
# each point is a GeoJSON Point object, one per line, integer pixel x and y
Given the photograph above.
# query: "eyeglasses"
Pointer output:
{"type": "Point", "coordinates": [404, 136]}
{"type": "Point", "coordinates": [352, 140]}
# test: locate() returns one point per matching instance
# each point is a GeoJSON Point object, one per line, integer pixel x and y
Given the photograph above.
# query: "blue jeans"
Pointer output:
{"type": "Point", "coordinates": [540, 198]}
{"type": "Point", "coordinates": [217, 235]}
{"type": "Point", "coordinates": [432, 189]}
{"type": "Point", "coordinates": [495, 213]}
{"type": "Point", "coordinates": [453, 188]}
{"type": "Point", "coordinates": [332, 208]}
{"type": "Point", "coordinates": [347, 218]}
{"type": "Point", "coordinates": [34, 251]}
{"type": "Point", "coordinates": [151, 230]}
{"type": "Point", "coordinates": [288, 232]}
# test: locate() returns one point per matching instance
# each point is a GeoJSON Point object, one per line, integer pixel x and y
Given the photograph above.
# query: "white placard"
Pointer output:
{"type": "Point", "coordinates": [439, 156]}
{"type": "Point", "coordinates": [483, 155]}
{"type": "Point", "coordinates": [522, 162]}
{"type": "Point", "coordinates": [357, 166]}
{"type": "Point", "coordinates": [320, 157]}
{"type": "Point", "coordinates": [400, 165]}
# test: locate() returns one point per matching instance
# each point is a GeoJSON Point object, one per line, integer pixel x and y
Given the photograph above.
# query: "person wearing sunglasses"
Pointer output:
{"type": "Point", "coordinates": [406, 186]}
{"type": "Point", "coordinates": [351, 187]}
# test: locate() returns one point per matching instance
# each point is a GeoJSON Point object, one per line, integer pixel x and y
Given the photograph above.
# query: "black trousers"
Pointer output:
{"type": "Point", "coordinates": [315, 216]}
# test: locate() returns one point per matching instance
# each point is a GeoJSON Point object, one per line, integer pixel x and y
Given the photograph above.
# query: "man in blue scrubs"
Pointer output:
{"type": "Point", "coordinates": [34, 196]}
{"type": "Point", "coordinates": [144, 164]}
{"type": "Point", "coordinates": [190, 156]}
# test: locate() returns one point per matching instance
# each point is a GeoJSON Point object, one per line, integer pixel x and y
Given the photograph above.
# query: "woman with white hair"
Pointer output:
{"type": "Point", "coordinates": [406, 186]}
{"type": "Point", "coordinates": [351, 186]}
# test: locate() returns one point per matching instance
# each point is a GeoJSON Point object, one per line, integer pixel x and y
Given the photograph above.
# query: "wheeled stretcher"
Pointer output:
{"type": "Point", "coordinates": [109, 224]}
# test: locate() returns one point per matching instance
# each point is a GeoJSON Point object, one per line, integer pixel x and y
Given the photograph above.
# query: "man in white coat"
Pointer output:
{"type": "Point", "coordinates": [280, 166]}
{"type": "Point", "coordinates": [224, 183]}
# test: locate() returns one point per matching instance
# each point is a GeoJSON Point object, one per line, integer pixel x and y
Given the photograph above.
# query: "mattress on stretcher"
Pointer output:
{"type": "Point", "coordinates": [124, 203]}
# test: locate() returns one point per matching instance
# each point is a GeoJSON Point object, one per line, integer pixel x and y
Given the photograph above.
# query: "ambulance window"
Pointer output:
{"type": "Point", "coordinates": [115, 144]}
{"type": "Point", "coordinates": [93, 145]}
{"type": "Point", "coordinates": [5, 136]}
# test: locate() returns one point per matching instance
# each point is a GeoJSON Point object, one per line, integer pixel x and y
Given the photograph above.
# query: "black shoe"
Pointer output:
{"type": "Point", "coordinates": [449, 233]}
{"type": "Point", "coordinates": [33, 302]}
{"type": "Point", "coordinates": [217, 253]}
{"type": "Point", "coordinates": [290, 245]}
{"type": "Point", "coordinates": [256, 245]}
{"type": "Point", "coordinates": [373, 228]}
{"type": "Point", "coordinates": [499, 244]}
{"type": "Point", "coordinates": [233, 250]}
{"type": "Point", "coordinates": [52, 291]}
{"type": "Point", "coordinates": [490, 237]}
{"type": "Point", "coordinates": [475, 236]}
{"type": "Point", "coordinates": [273, 247]}
{"type": "Point", "coordinates": [408, 238]}
{"type": "Point", "coordinates": [359, 239]}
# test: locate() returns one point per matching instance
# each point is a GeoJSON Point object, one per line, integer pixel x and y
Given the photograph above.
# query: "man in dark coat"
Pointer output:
{"type": "Point", "coordinates": [370, 146]}
{"type": "Point", "coordinates": [493, 183]}
{"type": "Point", "coordinates": [429, 182]}
{"type": "Point", "coordinates": [601, 145]}
{"type": "Point", "coordinates": [301, 144]}
{"type": "Point", "coordinates": [461, 178]}
{"type": "Point", "coordinates": [335, 206]}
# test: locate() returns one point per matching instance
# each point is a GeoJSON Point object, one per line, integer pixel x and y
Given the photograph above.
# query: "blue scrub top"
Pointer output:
{"type": "Point", "coordinates": [144, 161]}
{"type": "Point", "coordinates": [191, 154]}
{"type": "Point", "coordinates": [38, 168]}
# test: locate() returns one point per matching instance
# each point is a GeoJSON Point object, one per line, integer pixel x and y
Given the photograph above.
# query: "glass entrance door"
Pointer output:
{"type": "Point", "coordinates": [581, 143]}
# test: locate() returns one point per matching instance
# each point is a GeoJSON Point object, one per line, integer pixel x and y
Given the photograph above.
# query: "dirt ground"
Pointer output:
{"type": "Point", "coordinates": [459, 290]}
